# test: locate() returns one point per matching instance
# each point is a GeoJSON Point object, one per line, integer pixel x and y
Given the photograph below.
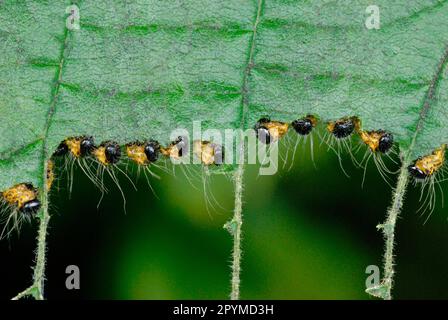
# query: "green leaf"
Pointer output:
{"type": "Point", "coordinates": [139, 69]}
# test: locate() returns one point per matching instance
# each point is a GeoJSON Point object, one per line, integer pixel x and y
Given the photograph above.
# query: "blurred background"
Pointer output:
{"type": "Point", "coordinates": [309, 233]}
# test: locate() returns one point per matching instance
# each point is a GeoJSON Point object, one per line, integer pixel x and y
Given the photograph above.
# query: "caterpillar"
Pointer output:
{"type": "Point", "coordinates": [20, 202]}
{"type": "Point", "coordinates": [303, 128]}
{"type": "Point", "coordinates": [268, 131]}
{"type": "Point", "coordinates": [379, 143]}
{"type": "Point", "coordinates": [428, 171]}
{"type": "Point", "coordinates": [337, 137]}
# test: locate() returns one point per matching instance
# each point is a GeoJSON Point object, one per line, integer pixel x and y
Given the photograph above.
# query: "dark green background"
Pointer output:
{"type": "Point", "coordinates": [309, 233]}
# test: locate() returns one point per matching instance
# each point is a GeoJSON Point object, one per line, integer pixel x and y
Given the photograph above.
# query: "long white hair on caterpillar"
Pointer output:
{"type": "Point", "coordinates": [303, 127]}
{"type": "Point", "coordinates": [338, 136]}
{"type": "Point", "coordinates": [76, 150]}
{"type": "Point", "coordinates": [428, 171]}
{"type": "Point", "coordinates": [108, 156]}
{"type": "Point", "coordinates": [208, 154]}
{"type": "Point", "coordinates": [17, 204]}
{"type": "Point", "coordinates": [145, 155]}
{"type": "Point", "coordinates": [269, 132]}
{"type": "Point", "coordinates": [379, 143]}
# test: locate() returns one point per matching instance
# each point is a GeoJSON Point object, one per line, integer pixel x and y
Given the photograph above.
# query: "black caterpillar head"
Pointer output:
{"type": "Point", "coordinates": [30, 208]}
{"type": "Point", "coordinates": [343, 128]}
{"type": "Point", "coordinates": [152, 149]}
{"type": "Point", "coordinates": [386, 142]}
{"type": "Point", "coordinates": [416, 172]}
{"type": "Point", "coordinates": [262, 131]}
{"type": "Point", "coordinates": [182, 145]}
{"type": "Point", "coordinates": [87, 145]}
{"type": "Point", "coordinates": [61, 150]}
{"type": "Point", "coordinates": [304, 126]}
{"type": "Point", "coordinates": [112, 151]}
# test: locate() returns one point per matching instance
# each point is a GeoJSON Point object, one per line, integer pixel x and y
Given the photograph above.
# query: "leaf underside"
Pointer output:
{"type": "Point", "coordinates": [138, 69]}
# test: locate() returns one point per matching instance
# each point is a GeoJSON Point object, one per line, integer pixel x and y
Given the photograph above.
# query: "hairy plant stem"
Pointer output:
{"type": "Point", "coordinates": [36, 290]}
{"type": "Point", "coordinates": [383, 290]}
{"type": "Point", "coordinates": [235, 230]}
{"type": "Point", "coordinates": [234, 225]}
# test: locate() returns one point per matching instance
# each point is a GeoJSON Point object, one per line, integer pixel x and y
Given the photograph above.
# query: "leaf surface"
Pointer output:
{"type": "Point", "coordinates": [138, 69]}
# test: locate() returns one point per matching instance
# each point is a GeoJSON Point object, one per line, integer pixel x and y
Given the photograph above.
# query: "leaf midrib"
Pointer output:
{"type": "Point", "coordinates": [54, 99]}
{"type": "Point", "coordinates": [429, 99]}
{"type": "Point", "coordinates": [249, 67]}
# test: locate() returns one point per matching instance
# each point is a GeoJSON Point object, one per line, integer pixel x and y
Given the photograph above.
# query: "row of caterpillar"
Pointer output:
{"type": "Point", "coordinates": [23, 198]}
{"type": "Point", "coordinates": [377, 140]}
{"type": "Point", "coordinates": [426, 170]}
{"type": "Point", "coordinates": [142, 153]}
